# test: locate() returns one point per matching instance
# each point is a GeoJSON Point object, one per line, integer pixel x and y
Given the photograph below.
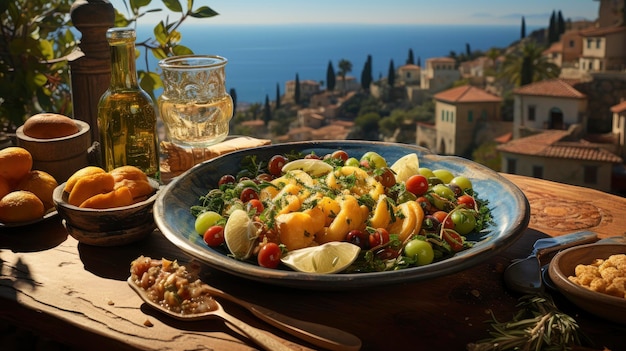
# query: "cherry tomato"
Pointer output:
{"type": "Point", "coordinates": [264, 177]}
{"type": "Point", "coordinates": [269, 255]}
{"type": "Point", "coordinates": [426, 205]}
{"type": "Point", "coordinates": [340, 154]}
{"type": "Point", "coordinates": [464, 221]}
{"type": "Point", "coordinates": [214, 236]}
{"type": "Point", "coordinates": [275, 165]}
{"type": "Point", "coordinates": [387, 178]}
{"type": "Point", "coordinates": [442, 217]}
{"type": "Point", "coordinates": [257, 205]}
{"type": "Point", "coordinates": [419, 250]}
{"type": "Point", "coordinates": [466, 200]}
{"type": "Point", "coordinates": [358, 238]}
{"type": "Point", "coordinates": [454, 239]}
{"type": "Point", "coordinates": [226, 179]}
{"type": "Point", "coordinates": [312, 157]}
{"type": "Point", "coordinates": [417, 184]}
{"type": "Point", "coordinates": [379, 237]}
{"type": "Point", "coordinates": [248, 194]}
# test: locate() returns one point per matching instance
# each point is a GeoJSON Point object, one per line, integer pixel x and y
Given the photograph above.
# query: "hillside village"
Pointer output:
{"type": "Point", "coordinates": [569, 129]}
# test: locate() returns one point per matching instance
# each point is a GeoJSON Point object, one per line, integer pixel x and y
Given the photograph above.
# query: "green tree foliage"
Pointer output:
{"type": "Point", "coordinates": [527, 64]}
{"type": "Point", "coordinates": [35, 35]}
{"type": "Point", "coordinates": [468, 51]}
{"type": "Point", "coordinates": [391, 75]}
{"type": "Point", "coordinates": [553, 30]}
{"type": "Point", "coordinates": [277, 96]}
{"type": "Point", "coordinates": [331, 79]}
{"type": "Point", "coordinates": [560, 24]}
{"type": "Point", "coordinates": [267, 111]}
{"type": "Point", "coordinates": [366, 74]}
{"type": "Point", "coordinates": [367, 126]}
{"type": "Point", "coordinates": [487, 155]}
{"type": "Point", "coordinates": [345, 67]}
{"type": "Point", "coordinates": [410, 60]}
{"type": "Point", "coordinates": [523, 30]}
{"type": "Point", "coordinates": [296, 93]}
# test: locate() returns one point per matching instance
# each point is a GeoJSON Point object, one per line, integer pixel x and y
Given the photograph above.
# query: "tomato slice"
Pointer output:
{"type": "Point", "coordinates": [454, 239]}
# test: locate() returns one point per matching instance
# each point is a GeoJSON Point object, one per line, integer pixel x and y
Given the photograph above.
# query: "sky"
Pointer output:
{"type": "Point", "coordinates": [535, 12]}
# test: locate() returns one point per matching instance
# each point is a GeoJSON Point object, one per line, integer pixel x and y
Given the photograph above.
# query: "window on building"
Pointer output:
{"type": "Point", "coordinates": [511, 165]}
{"type": "Point", "coordinates": [590, 174]}
{"type": "Point", "coordinates": [589, 41]}
{"type": "Point", "coordinates": [470, 116]}
{"type": "Point", "coordinates": [538, 172]}
{"type": "Point", "coordinates": [572, 43]}
{"type": "Point", "coordinates": [598, 43]}
{"type": "Point", "coordinates": [443, 113]}
{"type": "Point", "coordinates": [451, 117]}
{"type": "Point", "coordinates": [532, 110]}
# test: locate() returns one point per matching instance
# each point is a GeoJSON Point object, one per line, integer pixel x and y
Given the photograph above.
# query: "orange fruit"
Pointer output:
{"type": "Point", "coordinates": [5, 187]}
{"type": "Point", "coordinates": [90, 185]}
{"type": "Point", "coordinates": [139, 188]}
{"type": "Point", "coordinates": [128, 172]}
{"type": "Point", "coordinates": [15, 163]}
{"type": "Point", "coordinates": [20, 206]}
{"type": "Point", "coordinates": [41, 184]}
{"type": "Point", "coordinates": [117, 198]}
{"type": "Point", "coordinates": [85, 171]}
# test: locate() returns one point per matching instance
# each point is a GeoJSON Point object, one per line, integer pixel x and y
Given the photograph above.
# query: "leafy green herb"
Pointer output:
{"type": "Point", "coordinates": [538, 325]}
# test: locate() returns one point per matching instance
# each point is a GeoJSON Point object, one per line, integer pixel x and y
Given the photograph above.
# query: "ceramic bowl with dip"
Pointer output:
{"type": "Point", "coordinates": [107, 227]}
{"type": "Point", "coordinates": [563, 265]}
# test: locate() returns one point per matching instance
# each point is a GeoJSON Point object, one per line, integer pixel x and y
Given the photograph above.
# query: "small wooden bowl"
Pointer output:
{"type": "Point", "coordinates": [564, 264]}
{"type": "Point", "coordinates": [107, 227]}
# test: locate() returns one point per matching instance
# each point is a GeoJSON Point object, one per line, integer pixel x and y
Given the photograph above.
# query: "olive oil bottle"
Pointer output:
{"type": "Point", "coordinates": [127, 120]}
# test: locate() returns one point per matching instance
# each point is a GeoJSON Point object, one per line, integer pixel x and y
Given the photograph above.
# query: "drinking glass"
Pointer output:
{"type": "Point", "coordinates": [195, 107]}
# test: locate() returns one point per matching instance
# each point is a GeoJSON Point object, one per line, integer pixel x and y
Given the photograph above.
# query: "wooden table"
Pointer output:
{"type": "Point", "coordinates": [78, 294]}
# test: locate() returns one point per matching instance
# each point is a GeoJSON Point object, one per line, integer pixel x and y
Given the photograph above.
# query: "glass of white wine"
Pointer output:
{"type": "Point", "coordinates": [194, 106]}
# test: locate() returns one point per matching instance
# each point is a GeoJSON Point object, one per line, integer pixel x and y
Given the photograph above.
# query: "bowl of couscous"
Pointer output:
{"type": "Point", "coordinates": [593, 277]}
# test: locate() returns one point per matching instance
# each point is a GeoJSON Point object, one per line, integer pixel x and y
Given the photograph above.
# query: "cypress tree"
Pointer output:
{"type": "Point", "coordinates": [277, 96]}
{"type": "Point", "coordinates": [331, 79]}
{"type": "Point", "coordinates": [267, 112]}
{"type": "Point", "coordinates": [552, 28]}
{"type": "Point", "coordinates": [560, 25]}
{"type": "Point", "coordinates": [410, 60]}
{"type": "Point", "coordinates": [366, 74]}
{"type": "Point", "coordinates": [391, 76]}
{"type": "Point", "coordinates": [419, 61]}
{"type": "Point", "coordinates": [233, 95]}
{"type": "Point", "coordinates": [523, 31]}
{"type": "Point", "coordinates": [296, 93]}
{"type": "Point", "coordinates": [468, 51]}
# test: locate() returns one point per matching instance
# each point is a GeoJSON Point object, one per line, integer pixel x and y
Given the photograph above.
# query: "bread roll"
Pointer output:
{"type": "Point", "coordinates": [49, 126]}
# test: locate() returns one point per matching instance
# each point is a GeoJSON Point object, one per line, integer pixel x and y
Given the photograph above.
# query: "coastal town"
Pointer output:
{"type": "Point", "coordinates": [568, 127]}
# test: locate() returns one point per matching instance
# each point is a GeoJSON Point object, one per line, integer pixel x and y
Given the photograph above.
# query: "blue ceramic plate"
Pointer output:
{"type": "Point", "coordinates": [509, 206]}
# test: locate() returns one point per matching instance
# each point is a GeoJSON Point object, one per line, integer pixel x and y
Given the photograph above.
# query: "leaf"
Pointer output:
{"type": "Point", "coordinates": [203, 12]}
{"type": "Point", "coordinates": [120, 20]}
{"type": "Point", "coordinates": [158, 53]}
{"type": "Point", "coordinates": [150, 82]}
{"type": "Point", "coordinates": [160, 34]}
{"type": "Point", "coordinates": [46, 49]}
{"type": "Point", "coordinates": [173, 5]}
{"type": "Point", "coordinates": [40, 79]}
{"type": "Point", "coordinates": [136, 4]}
{"type": "Point", "coordinates": [181, 50]}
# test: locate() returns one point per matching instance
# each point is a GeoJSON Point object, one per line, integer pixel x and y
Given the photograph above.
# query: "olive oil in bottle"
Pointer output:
{"type": "Point", "coordinates": [126, 114]}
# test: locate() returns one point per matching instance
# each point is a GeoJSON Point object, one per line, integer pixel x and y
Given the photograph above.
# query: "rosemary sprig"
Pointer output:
{"type": "Point", "coordinates": [538, 325]}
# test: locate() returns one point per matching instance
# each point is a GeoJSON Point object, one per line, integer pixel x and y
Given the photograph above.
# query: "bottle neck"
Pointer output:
{"type": "Point", "coordinates": [123, 67]}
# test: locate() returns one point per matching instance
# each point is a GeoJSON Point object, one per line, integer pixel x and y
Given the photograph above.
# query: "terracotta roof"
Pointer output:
{"type": "Point", "coordinates": [555, 47]}
{"type": "Point", "coordinates": [441, 59]}
{"type": "Point", "coordinates": [466, 93]}
{"type": "Point", "coordinates": [548, 144]}
{"type": "Point", "coordinates": [599, 32]}
{"type": "Point", "coordinates": [619, 108]}
{"type": "Point", "coordinates": [409, 66]}
{"type": "Point", "coordinates": [551, 87]}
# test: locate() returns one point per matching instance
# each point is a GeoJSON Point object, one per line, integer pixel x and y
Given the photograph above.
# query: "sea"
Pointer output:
{"type": "Point", "coordinates": [262, 57]}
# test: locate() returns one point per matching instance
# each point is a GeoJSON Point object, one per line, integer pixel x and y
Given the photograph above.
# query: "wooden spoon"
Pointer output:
{"type": "Point", "coordinates": [317, 334]}
{"type": "Point", "coordinates": [266, 340]}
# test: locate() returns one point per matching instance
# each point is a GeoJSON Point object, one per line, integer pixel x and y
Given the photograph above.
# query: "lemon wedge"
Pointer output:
{"type": "Point", "coordinates": [405, 167]}
{"type": "Point", "coordinates": [312, 166]}
{"type": "Point", "coordinates": [332, 257]}
{"type": "Point", "coordinates": [240, 234]}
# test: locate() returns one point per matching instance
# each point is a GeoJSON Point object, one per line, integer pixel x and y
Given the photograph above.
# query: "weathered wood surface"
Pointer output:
{"type": "Point", "coordinates": [78, 294]}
